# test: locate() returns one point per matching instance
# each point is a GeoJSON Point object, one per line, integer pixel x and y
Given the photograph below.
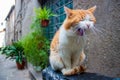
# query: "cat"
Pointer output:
{"type": "Point", "coordinates": [67, 47]}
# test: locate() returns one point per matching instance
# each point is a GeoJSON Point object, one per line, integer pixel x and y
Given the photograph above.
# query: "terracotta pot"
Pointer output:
{"type": "Point", "coordinates": [44, 23]}
{"type": "Point", "coordinates": [20, 66]}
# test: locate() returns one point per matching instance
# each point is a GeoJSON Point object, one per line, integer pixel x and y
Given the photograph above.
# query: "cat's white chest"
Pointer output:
{"type": "Point", "coordinates": [72, 43]}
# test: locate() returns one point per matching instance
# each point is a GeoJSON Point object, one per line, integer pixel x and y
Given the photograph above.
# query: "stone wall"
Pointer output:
{"type": "Point", "coordinates": [24, 11]}
{"type": "Point", "coordinates": [9, 33]}
{"type": "Point", "coordinates": [103, 52]}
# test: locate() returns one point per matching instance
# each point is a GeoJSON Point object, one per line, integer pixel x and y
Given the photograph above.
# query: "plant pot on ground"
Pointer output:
{"type": "Point", "coordinates": [20, 66]}
{"type": "Point", "coordinates": [21, 61]}
{"type": "Point", "coordinates": [15, 52]}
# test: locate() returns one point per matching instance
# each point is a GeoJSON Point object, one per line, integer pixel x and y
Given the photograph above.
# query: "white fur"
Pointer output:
{"type": "Point", "coordinates": [87, 21]}
{"type": "Point", "coordinates": [70, 47]}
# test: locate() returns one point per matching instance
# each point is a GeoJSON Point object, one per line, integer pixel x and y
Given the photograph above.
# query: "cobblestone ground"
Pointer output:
{"type": "Point", "coordinates": [9, 71]}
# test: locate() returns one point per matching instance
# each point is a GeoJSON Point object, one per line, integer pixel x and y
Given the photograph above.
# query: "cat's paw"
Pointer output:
{"type": "Point", "coordinates": [68, 72]}
{"type": "Point", "coordinates": [73, 71]}
{"type": "Point", "coordinates": [82, 69]}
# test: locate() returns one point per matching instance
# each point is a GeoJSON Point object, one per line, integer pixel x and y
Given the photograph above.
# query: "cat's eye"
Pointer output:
{"type": "Point", "coordinates": [91, 20]}
{"type": "Point", "coordinates": [82, 20]}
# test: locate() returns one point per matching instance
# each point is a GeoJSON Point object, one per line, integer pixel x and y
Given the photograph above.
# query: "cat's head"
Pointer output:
{"type": "Point", "coordinates": [79, 22]}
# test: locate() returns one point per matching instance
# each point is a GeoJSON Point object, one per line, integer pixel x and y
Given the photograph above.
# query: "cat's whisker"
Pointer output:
{"type": "Point", "coordinates": [75, 31]}
{"type": "Point", "coordinates": [78, 40]}
{"type": "Point", "coordinates": [106, 32]}
{"type": "Point", "coordinates": [94, 32]}
{"type": "Point", "coordinates": [99, 32]}
{"type": "Point", "coordinates": [85, 37]}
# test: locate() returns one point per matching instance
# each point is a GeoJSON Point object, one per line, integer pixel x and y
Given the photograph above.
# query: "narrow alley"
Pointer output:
{"type": "Point", "coordinates": [9, 71]}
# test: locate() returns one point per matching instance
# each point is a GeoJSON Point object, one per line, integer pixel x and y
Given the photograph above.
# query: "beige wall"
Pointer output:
{"type": "Point", "coordinates": [24, 11]}
{"type": "Point", "coordinates": [9, 34]}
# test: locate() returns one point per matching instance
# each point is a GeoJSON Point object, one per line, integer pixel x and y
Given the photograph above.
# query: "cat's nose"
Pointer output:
{"type": "Point", "coordinates": [88, 26]}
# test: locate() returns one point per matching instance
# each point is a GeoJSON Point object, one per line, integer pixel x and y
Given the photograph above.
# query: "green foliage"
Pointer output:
{"type": "Point", "coordinates": [35, 44]}
{"type": "Point", "coordinates": [43, 13]}
{"type": "Point", "coordinates": [14, 51]}
{"type": "Point", "coordinates": [3, 50]}
{"type": "Point", "coordinates": [40, 14]}
{"type": "Point", "coordinates": [35, 23]}
{"type": "Point", "coordinates": [36, 48]}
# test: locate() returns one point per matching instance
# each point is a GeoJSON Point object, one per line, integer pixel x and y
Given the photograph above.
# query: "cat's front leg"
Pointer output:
{"type": "Point", "coordinates": [78, 58]}
{"type": "Point", "coordinates": [66, 58]}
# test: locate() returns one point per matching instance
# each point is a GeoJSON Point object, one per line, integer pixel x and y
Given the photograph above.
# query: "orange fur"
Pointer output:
{"type": "Point", "coordinates": [76, 16]}
{"type": "Point", "coordinates": [75, 70]}
{"type": "Point", "coordinates": [55, 42]}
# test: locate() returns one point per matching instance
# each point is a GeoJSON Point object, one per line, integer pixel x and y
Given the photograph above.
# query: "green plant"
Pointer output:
{"type": "Point", "coordinates": [19, 52]}
{"type": "Point", "coordinates": [14, 51]}
{"type": "Point", "coordinates": [35, 44]}
{"type": "Point", "coordinates": [3, 49]}
{"type": "Point", "coordinates": [35, 25]}
{"type": "Point", "coordinates": [36, 48]}
{"type": "Point", "coordinates": [43, 13]}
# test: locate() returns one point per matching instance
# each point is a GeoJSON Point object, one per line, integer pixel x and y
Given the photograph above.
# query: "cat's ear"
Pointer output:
{"type": "Point", "coordinates": [67, 11]}
{"type": "Point", "coordinates": [92, 9]}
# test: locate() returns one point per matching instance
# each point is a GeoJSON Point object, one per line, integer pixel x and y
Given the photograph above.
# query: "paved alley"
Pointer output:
{"type": "Point", "coordinates": [9, 71]}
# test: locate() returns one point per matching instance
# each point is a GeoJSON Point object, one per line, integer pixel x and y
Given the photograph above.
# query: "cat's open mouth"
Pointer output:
{"type": "Point", "coordinates": [80, 31]}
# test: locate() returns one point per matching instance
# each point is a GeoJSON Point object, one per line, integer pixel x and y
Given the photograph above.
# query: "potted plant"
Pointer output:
{"type": "Point", "coordinates": [15, 51]}
{"type": "Point", "coordinates": [36, 45]}
{"type": "Point", "coordinates": [19, 55]}
{"type": "Point", "coordinates": [44, 15]}
{"type": "Point", "coordinates": [36, 48]}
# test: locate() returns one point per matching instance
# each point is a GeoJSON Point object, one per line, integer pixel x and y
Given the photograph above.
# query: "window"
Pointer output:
{"type": "Point", "coordinates": [57, 7]}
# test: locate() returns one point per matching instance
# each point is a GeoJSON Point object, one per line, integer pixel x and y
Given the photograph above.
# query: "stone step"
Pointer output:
{"type": "Point", "coordinates": [33, 74]}
{"type": "Point", "coordinates": [49, 74]}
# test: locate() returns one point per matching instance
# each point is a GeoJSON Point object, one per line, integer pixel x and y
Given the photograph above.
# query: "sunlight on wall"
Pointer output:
{"type": "Point", "coordinates": [5, 6]}
{"type": "Point", "coordinates": [2, 34]}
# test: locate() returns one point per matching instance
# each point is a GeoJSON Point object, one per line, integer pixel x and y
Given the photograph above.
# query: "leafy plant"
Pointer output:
{"type": "Point", "coordinates": [14, 51]}
{"type": "Point", "coordinates": [43, 13]}
{"type": "Point", "coordinates": [35, 44]}
{"type": "Point", "coordinates": [35, 25]}
{"type": "Point", "coordinates": [2, 50]}
{"type": "Point", "coordinates": [19, 52]}
{"type": "Point", "coordinates": [36, 48]}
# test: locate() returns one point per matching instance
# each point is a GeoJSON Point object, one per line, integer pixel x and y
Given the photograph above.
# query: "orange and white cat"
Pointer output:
{"type": "Point", "coordinates": [67, 46]}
